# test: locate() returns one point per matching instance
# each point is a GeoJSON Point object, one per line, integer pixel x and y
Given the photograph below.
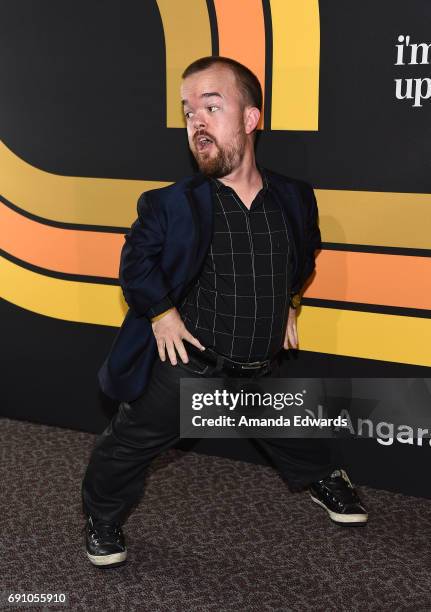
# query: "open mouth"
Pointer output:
{"type": "Point", "coordinates": [203, 143]}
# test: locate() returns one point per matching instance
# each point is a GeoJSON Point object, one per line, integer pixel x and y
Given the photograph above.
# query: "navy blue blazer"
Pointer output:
{"type": "Point", "coordinates": [163, 254]}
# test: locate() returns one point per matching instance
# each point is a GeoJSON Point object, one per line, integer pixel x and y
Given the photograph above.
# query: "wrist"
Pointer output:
{"type": "Point", "coordinates": [159, 308]}
{"type": "Point", "coordinates": [161, 315]}
{"type": "Point", "coordinates": [294, 300]}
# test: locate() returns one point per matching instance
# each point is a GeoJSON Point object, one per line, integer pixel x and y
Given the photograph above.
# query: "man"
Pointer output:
{"type": "Point", "coordinates": [212, 271]}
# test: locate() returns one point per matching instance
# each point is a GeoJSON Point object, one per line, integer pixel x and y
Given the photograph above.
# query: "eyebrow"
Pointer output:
{"type": "Point", "coordinates": [208, 94]}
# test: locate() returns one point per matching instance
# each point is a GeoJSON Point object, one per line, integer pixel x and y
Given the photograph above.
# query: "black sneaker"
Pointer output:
{"type": "Point", "coordinates": [105, 543]}
{"type": "Point", "coordinates": [336, 495]}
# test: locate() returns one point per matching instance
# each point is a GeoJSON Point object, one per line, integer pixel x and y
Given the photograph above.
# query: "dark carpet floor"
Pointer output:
{"type": "Point", "coordinates": [210, 534]}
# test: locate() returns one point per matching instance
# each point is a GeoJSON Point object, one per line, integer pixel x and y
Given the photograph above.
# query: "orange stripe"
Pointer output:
{"type": "Point", "coordinates": [370, 278]}
{"type": "Point", "coordinates": [241, 32]}
{"type": "Point", "coordinates": [63, 250]}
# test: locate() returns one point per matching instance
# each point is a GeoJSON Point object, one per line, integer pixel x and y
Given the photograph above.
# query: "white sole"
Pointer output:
{"type": "Point", "coordinates": [342, 518]}
{"type": "Point", "coordinates": [106, 560]}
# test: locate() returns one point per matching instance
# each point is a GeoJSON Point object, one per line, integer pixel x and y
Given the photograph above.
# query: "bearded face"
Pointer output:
{"type": "Point", "coordinates": [214, 112]}
{"type": "Point", "coordinates": [215, 159]}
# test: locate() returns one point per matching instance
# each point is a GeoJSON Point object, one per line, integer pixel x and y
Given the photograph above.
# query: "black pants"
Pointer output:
{"type": "Point", "coordinates": [149, 425]}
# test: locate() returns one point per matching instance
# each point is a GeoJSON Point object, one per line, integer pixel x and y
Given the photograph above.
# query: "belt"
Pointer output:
{"type": "Point", "coordinates": [210, 356]}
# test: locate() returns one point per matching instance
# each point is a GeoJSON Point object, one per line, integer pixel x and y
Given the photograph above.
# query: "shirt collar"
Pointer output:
{"type": "Point", "coordinates": [222, 188]}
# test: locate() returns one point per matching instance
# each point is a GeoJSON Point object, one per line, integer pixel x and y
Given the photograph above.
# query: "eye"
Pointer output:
{"type": "Point", "coordinates": [212, 108]}
{"type": "Point", "coordinates": [188, 114]}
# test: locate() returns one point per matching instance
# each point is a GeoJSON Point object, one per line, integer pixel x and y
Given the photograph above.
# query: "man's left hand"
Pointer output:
{"type": "Point", "coordinates": [291, 336]}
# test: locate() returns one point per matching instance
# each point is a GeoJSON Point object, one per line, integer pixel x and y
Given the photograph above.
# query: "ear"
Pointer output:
{"type": "Point", "coordinates": [251, 118]}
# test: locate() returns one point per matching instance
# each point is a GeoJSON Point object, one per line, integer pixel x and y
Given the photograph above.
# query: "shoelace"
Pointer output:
{"type": "Point", "coordinates": [106, 528]}
{"type": "Point", "coordinates": [340, 490]}
{"type": "Point", "coordinates": [106, 531]}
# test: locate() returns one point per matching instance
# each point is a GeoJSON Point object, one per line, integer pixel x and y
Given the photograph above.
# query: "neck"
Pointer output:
{"type": "Point", "coordinates": [246, 175]}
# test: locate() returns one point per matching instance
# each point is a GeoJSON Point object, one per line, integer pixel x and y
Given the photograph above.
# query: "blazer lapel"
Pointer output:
{"type": "Point", "coordinates": [199, 196]}
{"type": "Point", "coordinates": [287, 198]}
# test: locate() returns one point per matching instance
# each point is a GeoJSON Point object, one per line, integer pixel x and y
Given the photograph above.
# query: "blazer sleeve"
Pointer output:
{"type": "Point", "coordinates": [143, 282]}
{"type": "Point", "coordinates": [312, 240]}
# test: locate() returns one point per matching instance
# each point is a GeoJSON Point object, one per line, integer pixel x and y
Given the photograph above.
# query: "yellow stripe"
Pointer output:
{"type": "Point", "coordinates": [70, 199]}
{"type": "Point", "coordinates": [352, 217]}
{"type": "Point", "coordinates": [325, 330]}
{"type": "Point", "coordinates": [375, 218]}
{"type": "Point", "coordinates": [61, 299]}
{"type": "Point", "coordinates": [187, 37]}
{"type": "Point", "coordinates": [295, 67]}
{"type": "Point", "coordinates": [365, 334]}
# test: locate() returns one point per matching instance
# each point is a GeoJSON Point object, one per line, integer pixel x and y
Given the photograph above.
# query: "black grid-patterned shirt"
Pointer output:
{"type": "Point", "coordinates": [239, 304]}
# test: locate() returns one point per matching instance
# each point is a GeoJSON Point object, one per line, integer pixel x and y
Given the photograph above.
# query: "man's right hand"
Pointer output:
{"type": "Point", "coordinates": [170, 332]}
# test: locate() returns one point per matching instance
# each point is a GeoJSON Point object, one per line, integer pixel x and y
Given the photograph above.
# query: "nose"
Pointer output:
{"type": "Point", "coordinates": [198, 121]}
